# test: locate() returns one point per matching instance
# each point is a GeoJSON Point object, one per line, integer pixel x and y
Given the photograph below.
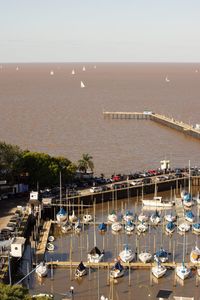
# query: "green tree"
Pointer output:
{"type": "Point", "coordinates": [15, 292]}
{"type": "Point", "coordinates": [10, 156]}
{"type": "Point", "coordinates": [85, 163]}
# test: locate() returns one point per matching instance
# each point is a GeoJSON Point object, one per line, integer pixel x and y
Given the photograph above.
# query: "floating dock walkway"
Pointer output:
{"type": "Point", "coordinates": [148, 115]}
{"type": "Point", "coordinates": [41, 248]}
{"type": "Point", "coordinates": [109, 265]}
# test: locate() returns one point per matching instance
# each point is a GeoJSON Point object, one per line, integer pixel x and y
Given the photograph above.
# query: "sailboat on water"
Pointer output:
{"type": "Point", "coordinates": [82, 85]}
{"type": "Point", "coordinates": [83, 69]}
{"type": "Point", "coordinates": [61, 216]}
{"type": "Point", "coordinates": [167, 79]}
{"type": "Point", "coordinates": [73, 72]}
{"type": "Point", "coordinates": [182, 271]}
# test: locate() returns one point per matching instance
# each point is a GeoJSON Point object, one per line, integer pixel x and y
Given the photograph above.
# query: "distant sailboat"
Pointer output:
{"type": "Point", "coordinates": [196, 71]}
{"type": "Point", "coordinates": [17, 68]}
{"type": "Point", "coordinates": [52, 73]}
{"type": "Point", "coordinates": [167, 79]}
{"type": "Point", "coordinates": [82, 85]}
{"type": "Point", "coordinates": [95, 67]}
{"type": "Point", "coordinates": [83, 69]}
{"type": "Point", "coordinates": [73, 72]}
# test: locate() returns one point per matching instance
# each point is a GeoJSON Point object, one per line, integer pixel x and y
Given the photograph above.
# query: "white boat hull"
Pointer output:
{"type": "Point", "coordinates": [145, 257]}
{"type": "Point", "coordinates": [116, 273]}
{"type": "Point", "coordinates": [142, 227]}
{"type": "Point", "coordinates": [95, 258]}
{"type": "Point", "coordinates": [159, 271]}
{"type": "Point", "coordinates": [182, 272]}
{"type": "Point", "coordinates": [42, 270]}
{"type": "Point", "coordinates": [126, 255]}
{"type": "Point", "coordinates": [184, 227]}
{"type": "Point", "coordinates": [116, 227]}
{"type": "Point", "coordinates": [61, 218]}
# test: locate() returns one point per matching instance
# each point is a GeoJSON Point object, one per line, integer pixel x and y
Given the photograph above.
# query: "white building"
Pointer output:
{"type": "Point", "coordinates": [17, 246]}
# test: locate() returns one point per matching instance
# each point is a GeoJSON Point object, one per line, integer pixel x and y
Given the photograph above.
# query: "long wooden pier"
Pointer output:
{"type": "Point", "coordinates": [108, 265]}
{"type": "Point", "coordinates": [41, 248]}
{"type": "Point", "coordinates": [164, 120]}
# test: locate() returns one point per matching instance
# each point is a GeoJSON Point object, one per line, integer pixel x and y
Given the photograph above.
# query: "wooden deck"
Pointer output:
{"type": "Point", "coordinates": [41, 248]}
{"type": "Point", "coordinates": [106, 265]}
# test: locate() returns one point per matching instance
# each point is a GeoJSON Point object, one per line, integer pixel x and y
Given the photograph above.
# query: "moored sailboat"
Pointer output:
{"type": "Point", "coordinates": [80, 270]}
{"type": "Point", "coordinates": [127, 255]}
{"type": "Point", "coordinates": [117, 271]}
{"type": "Point", "coordinates": [95, 255]}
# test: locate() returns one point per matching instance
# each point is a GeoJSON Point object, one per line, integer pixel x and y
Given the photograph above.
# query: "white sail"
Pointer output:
{"type": "Point", "coordinates": [52, 73]}
{"type": "Point", "coordinates": [73, 72]}
{"type": "Point", "coordinates": [83, 69]}
{"type": "Point", "coordinates": [82, 85]}
{"type": "Point", "coordinates": [167, 79]}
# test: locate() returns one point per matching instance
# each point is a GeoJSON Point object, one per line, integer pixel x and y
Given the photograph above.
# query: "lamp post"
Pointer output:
{"type": "Point", "coordinates": [72, 292]}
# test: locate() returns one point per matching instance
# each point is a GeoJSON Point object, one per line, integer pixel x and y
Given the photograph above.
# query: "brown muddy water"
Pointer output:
{"type": "Point", "coordinates": [53, 114]}
{"type": "Point", "coordinates": [96, 284]}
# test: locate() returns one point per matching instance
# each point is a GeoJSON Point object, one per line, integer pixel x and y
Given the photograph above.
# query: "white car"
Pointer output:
{"type": "Point", "coordinates": [95, 189]}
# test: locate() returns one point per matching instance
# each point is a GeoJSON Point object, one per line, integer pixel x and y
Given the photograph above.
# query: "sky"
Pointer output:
{"type": "Point", "coordinates": [99, 31]}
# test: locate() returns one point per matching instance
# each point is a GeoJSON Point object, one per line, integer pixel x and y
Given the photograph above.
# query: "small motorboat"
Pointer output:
{"type": "Point", "coordinates": [87, 218]}
{"type": "Point", "coordinates": [170, 227]}
{"type": "Point", "coordinates": [189, 216]}
{"type": "Point", "coordinates": [158, 270]}
{"type": "Point", "coordinates": [95, 255]}
{"type": "Point", "coordinates": [184, 227]}
{"type": "Point", "coordinates": [145, 257]}
{"type": "Point", "coordinates": [80, 270]}
{"type": "Point", "coordinates": [66, 227]}
{"type": "Point", "coordinates": [142, 227]}
{"type": "Point", "coordinates": [170, 218]}
{"type": "Point", "coordinates": [196, 227]}
{"type": "Point", "coordinates": [112, 217]}
{"type": "Point", "coordinates": [195, 255]}
{"type": "Point", "coordinates": [61, 216]}
{"type": "Point", "coordinates": [128, 216]}
{"type": "Point", "coordinates": [50, 247]}
{"type": "Point", "coordinates": [116, 227]}
{"type": "Point", "coordinates": [42, 269]}
{"type": "Point", "coordinates": [157, 202]}
{"type": "Point", "coordinates": [51, 238]}
{"type": "Point", "coordinates": [102, 227]}
{"type": "Point", "coordinates": [161, 255]}
{"type": "Point", "coordinates": [117, 271]}
{"type": "Point", "coordinates": [182, 271]}
{"type": "Point", "coordinates": [155, 218]}
{"type": "Point", "coordinates": [129, 226]}
{"type": "Point", "coordinates": [72, 217]}
{"type": "Point", "coordinates": [127, 255]}
{"type": "Point", "coordinates": [142, 217]}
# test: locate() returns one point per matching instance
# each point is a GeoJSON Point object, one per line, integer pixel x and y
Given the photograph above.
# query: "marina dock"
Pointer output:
{"type": "Point", "coordinates": [164, 120]}
{"type": "Point", "coordinates": [41, 248]}
{"type": "Point", "coordinates": [109, 265]}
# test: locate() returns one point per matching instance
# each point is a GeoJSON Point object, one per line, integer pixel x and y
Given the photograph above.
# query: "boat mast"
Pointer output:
{"type": "Point", "coordinates": [189, 184]}
{"type": "Point", "coordinates": [60, 190]}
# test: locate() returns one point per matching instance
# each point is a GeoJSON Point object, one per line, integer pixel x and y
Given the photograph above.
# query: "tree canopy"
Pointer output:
{"type": "Point", "coordinates": [85, 163]}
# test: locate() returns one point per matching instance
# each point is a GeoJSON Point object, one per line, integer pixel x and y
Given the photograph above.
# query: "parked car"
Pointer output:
{"type": "Point", "coordinates": [95, 189]}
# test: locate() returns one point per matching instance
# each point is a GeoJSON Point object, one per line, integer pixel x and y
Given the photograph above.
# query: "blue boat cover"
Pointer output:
{"type": "Point", "coordinates": [189, 214]}
{"type": "Point", "coordinates": [62, 212]}
{"type": "Point", "coordinates": [196, 225]}
{"type": "Point", "coordinates": [129, 223]}
{"type": "Point", "coordinates": [161, 253]}
{"type": "Point", "coordinates": [187, 197]}
{"type": "Point", "coordinates": [103, 226]}
{"type": "Point", "coordinates": [170, 225]}
{"type": "Point", "coordinates": [118, 266]}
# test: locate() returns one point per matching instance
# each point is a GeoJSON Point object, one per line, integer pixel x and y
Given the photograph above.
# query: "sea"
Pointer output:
{"type": "Point", "coordinates": [43, 108]}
